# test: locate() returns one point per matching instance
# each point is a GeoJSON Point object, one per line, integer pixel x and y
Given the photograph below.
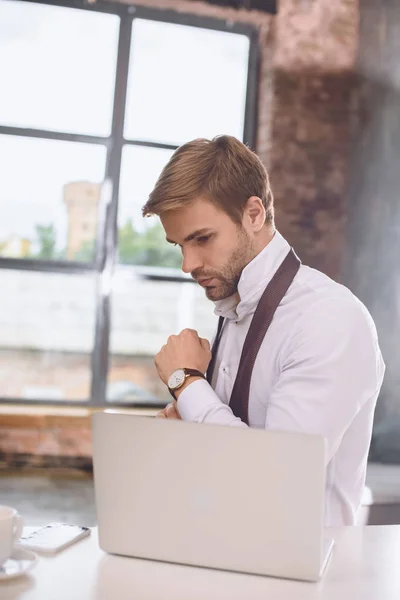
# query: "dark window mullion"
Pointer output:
{"type": "Point", "coordinates": [106, 257]}
{"type": "Point", "coordinates": [46, 266]}
{"type": "Point", "coordinates": [161, 14]}
{"type": "Point", "coordinates": [144, 144]}
{"type": "Point", "coordinates": [54, 135]}
{"type": "Point", "coordinates": [113, 7]}
{"type": "Point", "coordinates": [251, 108]}
{"type": "Point", "coordinates": [191, 20]}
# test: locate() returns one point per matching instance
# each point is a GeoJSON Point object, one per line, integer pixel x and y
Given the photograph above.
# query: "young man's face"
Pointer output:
{"type": "Point", "coordinates": [215, 250]}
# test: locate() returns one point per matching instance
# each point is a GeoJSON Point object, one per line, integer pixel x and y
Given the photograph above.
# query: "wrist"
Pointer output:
{"type": "Point", "coordinates": [186, 384]}
{"type": "Point", "coordinates": [179, 379]}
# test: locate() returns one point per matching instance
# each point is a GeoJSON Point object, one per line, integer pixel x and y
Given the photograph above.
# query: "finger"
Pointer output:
{"type": "Point", "coordinates": [205, 344]}
{"type": "Point", "coordinates": [171, 412]}
{"type": "Point", "coordinates": [161, 415]}
{"type": "Point", "coordinates": [191, 332]}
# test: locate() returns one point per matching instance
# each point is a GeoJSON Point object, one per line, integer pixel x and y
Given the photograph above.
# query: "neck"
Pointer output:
{"type": "Point", "coordinates": [263, 239]}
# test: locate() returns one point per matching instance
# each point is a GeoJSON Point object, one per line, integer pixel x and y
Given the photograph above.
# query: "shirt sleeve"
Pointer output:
{"type": "Point", "coordinates": [200, 404]}
{"type": "Point", "coordinates": [330, 369]}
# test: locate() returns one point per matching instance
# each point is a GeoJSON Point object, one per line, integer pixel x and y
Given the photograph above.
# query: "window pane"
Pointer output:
{"type": "Point", "coordinates": [46, 335]}
{"type": "Point", "coordinates": [49, 193]}
{"type": "Point", "coordinates": [144, 313]}
{"type": "Point", "coordinates": [57, 67]}
{"type": "Point", "coordinates": [185, 82]}
{"type": "Point", "coordinates": [142, 241]}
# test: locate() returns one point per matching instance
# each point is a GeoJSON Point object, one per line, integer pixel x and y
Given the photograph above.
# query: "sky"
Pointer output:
{"type": "Point", "coordinates": [57, 68]}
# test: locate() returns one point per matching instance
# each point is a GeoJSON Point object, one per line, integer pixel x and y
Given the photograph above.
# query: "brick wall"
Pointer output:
{"type": "Point", "coordinates": [39, 439]}
{"type": "Point", "coordinates": [313, 108]}
{"type": "Point", "coordinates": [311, 138]}
{"type": "Point", "coordinates": [47, 437]}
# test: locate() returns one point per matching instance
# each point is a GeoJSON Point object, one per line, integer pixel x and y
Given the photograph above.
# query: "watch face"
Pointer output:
{"type": "Point", "coordinates": [176, 379]}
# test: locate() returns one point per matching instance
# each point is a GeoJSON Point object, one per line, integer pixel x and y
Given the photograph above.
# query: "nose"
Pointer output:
{"type": "Point", "coordinates": [190, 260]}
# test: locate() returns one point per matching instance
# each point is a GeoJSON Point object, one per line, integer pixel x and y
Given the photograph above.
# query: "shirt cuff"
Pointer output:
{"type": "Point", "coordinates": [195, 401]}
{"type": "Point", "coordinates": [198, 403]}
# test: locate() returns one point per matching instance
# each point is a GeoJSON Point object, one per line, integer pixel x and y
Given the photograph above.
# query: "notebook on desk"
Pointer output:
{"type": "Point", "coordinates": [244, 500]}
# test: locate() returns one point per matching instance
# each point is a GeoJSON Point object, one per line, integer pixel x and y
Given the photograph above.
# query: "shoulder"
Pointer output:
{"type": "Point", "coordinates": [333, 336]}
{"type": "Point", "coordinates": [327, 318]}
{"type": "Point", "coordinates": [319, 298]}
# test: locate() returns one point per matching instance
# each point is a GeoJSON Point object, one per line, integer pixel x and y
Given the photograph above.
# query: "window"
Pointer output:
{"type": "Point", "coordinates": [50, 191]}
{"type": "Point", "coordinates": [95, 99]}
{"type": "Point", "coordinates": [199, 92]}
{"type": "Point", "coordinates": [59, 74]}
{"type": "Point", "coordinates": [47, 325]}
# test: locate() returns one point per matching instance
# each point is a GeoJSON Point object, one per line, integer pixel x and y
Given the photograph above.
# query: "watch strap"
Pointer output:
{"type": "Point", "coordinates": [188, 373]}
{"type": "Point", "coordinates": [194, 372]}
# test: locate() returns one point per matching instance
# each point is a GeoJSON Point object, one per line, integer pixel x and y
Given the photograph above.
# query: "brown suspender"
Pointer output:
{"type": "Point", "coordinates": [269, 302]}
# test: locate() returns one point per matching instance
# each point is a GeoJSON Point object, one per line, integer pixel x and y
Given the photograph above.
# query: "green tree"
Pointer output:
{"type": "Point", "coordinates": [157, 251]}
{"type": "Point", "coordinates": [46, 236]}
{"type": "Point", "coordinates": [147, 248]}
{"type": "Point", "coordinates": [86, 251]}
{"type": "Point", "coordinates": [128, 243]}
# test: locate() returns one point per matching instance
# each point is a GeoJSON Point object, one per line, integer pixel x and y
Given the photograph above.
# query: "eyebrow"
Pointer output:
{"type": "Point", "coordinates": [193, 235]}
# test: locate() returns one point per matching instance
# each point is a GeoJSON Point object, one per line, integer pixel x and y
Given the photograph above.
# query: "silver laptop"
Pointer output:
{"type": "Point", "coordinates": [230, 498]}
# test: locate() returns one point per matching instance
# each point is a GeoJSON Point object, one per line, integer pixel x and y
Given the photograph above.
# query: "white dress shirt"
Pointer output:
{"type": "Point", "coordinates": [319, 370]}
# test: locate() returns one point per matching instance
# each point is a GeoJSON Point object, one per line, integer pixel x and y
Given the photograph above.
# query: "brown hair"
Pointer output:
{"type": "Point", "coordinates": [222, 170]}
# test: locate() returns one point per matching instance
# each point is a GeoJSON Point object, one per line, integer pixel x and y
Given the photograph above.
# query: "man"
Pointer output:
{"type": "Point", "coordinates": [318, 369]}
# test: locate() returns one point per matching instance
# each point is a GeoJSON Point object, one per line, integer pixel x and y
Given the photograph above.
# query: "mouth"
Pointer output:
{"type": "Point", "coordinates": [205, 282]}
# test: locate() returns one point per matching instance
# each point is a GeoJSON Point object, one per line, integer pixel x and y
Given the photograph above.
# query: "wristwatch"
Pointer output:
{"type": "Point", "coordinates": [178, 378]}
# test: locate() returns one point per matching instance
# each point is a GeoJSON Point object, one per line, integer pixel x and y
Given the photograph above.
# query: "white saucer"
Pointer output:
{"type": "Point", "coordinates": [20, 561]}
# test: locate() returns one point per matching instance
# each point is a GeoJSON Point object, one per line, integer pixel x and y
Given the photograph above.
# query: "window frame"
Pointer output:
{"type": "Point", "coordinates": [104, 261]}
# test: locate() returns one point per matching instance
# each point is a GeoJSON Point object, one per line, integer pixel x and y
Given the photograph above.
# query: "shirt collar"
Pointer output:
{"type": "Point", "coordinates": [253, 280]}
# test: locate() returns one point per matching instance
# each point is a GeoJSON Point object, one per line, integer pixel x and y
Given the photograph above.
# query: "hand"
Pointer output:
{"type": "Point", "coordinates": [169, 412]}
{"type": "Point", "coordinates": [186, 350]}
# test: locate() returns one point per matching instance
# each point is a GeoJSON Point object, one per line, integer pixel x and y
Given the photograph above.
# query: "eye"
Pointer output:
{"type": "Point", "coordinates": [203, 239]}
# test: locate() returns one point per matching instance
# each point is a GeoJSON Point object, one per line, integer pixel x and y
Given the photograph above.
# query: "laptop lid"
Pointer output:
{"type": "Point", "coordinates": [223, 497]}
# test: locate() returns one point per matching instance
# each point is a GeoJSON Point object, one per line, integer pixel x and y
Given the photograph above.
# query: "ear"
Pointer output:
{"type": "Point", "coordinates": [255, 212]}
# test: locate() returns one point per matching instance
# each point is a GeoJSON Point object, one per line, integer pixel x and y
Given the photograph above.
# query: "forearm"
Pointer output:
{"type": "Point", "coordinates": [198, 403]}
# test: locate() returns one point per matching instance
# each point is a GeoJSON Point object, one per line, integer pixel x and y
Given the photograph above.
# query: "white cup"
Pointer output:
{"type": "Point", "coordinates": [11, 525]}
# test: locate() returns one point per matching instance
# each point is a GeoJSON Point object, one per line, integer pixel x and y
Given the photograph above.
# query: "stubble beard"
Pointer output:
{"type": "Point", "coordinates": [229, 275]}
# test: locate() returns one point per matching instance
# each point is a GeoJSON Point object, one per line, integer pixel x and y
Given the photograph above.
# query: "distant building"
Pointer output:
{"type": "Point", "coordinates": [82, 200]}
{"type": "Point", "coordinates": [16, 247]}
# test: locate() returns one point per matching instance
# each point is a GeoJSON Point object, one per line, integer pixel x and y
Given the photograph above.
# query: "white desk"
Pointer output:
{"type": "Point", "coordinates": [365, 565]}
